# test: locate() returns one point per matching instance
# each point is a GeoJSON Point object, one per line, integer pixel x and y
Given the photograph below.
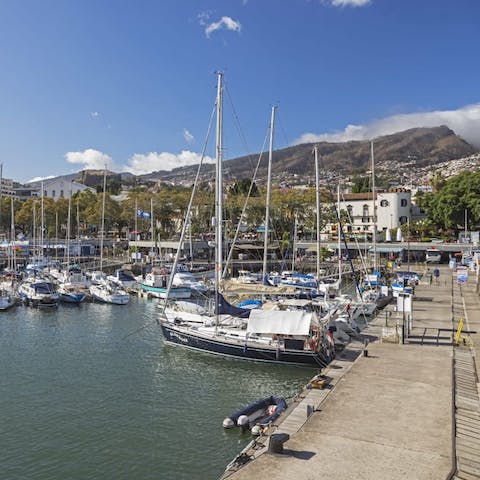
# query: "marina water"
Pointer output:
{"type": "Point", "coordinates": [83, 399]}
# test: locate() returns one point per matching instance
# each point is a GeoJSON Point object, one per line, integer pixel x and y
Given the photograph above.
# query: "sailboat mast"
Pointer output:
{"type": "Point", "coordinates": [42, 226]}
{"type": "Point", "coordinates": [12, 236]}
{"type": "Point", "coordinates": [68, 225]}
{"type": "Point", "coordinates": [103, 217]}
{"type": "Point", "coordinates": [34, 227]}
{"type": "Point", "coordinates": [267, 201]}
{"type": "Point", "coordinates": [218, 191]}
{"type": "Point", "coordinates": [294, 247]}
{"type": "Point", "coordinates": [374, 235]}
{"type": "Point", "coordinates": [152, 230]}
{"type": "Point", "coordinates": [339, 232]}
{"type": "Point", "coordinates": [78, 233]}
{"type": "Point", "coordinates": [317, 194]}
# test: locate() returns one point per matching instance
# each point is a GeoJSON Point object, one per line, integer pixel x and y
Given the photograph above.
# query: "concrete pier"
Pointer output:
{"type": "Point", "coordinates": [391, 414]}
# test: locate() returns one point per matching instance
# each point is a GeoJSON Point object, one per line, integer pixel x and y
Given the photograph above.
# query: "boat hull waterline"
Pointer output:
{"type": "Point", "coordinates": [216, 346]}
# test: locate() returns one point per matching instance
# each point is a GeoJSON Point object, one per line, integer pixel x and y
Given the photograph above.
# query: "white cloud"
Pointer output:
{"type": "Point", "coordinates": [350, 3]}
{"type": "Point", "coordinates": [464, 122]}
{"type": "Point", "coordinates": [203, 18]}
{"type": "Point", "coordinates": [94, 114]}
{"type": "Point", "coordinates": [141, 163]}
{"type": "Point", "coordinates": [187, 136]}
{"type": "Point", "coordinates": [225, 22]}
{"type": "Point", "coordinates": [91, 159]}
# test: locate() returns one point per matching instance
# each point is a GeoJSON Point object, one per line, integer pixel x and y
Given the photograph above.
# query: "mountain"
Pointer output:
{"type": "Point", "coordinates": [420, 146]}
{"type": "Point", "coordinates": [403, 152]}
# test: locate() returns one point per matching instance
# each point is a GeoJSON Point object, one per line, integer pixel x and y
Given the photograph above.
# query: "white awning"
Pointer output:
{"type": "Point", "coordinates": [277, 322]}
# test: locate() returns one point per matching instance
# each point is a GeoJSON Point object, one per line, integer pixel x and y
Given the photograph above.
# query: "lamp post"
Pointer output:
{"type": "Point", "coordinates": [408, 243]}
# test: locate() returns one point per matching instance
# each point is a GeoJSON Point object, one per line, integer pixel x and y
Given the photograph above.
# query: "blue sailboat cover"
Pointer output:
{"type": "Point", "coordinates": [225, 308]}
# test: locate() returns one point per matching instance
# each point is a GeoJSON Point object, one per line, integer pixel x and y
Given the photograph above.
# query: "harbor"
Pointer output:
{"type": "Point", "coordinates": [92, 391]}
{"type": "Point", "coordinates": [406, 407]}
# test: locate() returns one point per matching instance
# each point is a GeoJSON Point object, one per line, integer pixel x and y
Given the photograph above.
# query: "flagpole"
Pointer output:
{"type": "Point", "coordinates": [151, 226]}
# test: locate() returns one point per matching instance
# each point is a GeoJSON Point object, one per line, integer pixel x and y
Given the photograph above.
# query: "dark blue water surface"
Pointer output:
{"type": "Point", "coordinates": [79, 399]}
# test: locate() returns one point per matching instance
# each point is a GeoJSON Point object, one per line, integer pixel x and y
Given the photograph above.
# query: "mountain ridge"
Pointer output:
{"type": "Point", "coordinates": [413, 148]}
{"type": "Point", "coordinates": [427, 146]}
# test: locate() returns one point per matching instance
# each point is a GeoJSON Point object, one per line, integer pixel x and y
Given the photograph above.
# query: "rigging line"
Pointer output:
{"type": "Point", "coordinates": [239, 129]}
{"type": "Point", "coordinates": [189, 210]}
{"type": "Point", "coordinates": [143, 327]}
{"type": "Point", "coordinates": [244, 209]}
{"type": "Point", "coordinates": [362, 259]}
{"type": "Point", "coordinates": [340, 232]}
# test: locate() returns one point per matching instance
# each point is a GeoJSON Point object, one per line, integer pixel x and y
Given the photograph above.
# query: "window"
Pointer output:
{"type": "Point", "coordinates": [403, 202]}
{"type": "Point", "coordinates": [384, 203]}
{"type": "Point", "coordinates": [350, 210]}
{"type": "Point", "coordinates": [53, 193]}
{"type": "Point", "coordinates": [365, 214]}
{"type": "Point", "coordinates": [61, 193]}
{"type": "Point", "coordinates": [402, 220]}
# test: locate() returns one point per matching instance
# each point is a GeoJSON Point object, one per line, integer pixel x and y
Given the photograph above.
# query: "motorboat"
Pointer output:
{"type": "Point", "coordinates": [69, 294]}
{"type": "Point", "coordinates": [156, 284]}
{"type": "Point", "coordinates": [107, 292]}
{"type": "Point", "coordinates": [7, 300]}
{"type": "Point", "coordinates": [123, 277]}
{"type": "Point", "coordinates": [186, 279]}
{"type": "Point", "coordinates": [38, 292]}
{"type": "Point", "coordinates": [248, 277]}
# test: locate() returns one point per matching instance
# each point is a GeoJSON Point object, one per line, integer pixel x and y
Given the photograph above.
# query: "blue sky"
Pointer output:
{"type": "Point", "coordinates": [131, 84]}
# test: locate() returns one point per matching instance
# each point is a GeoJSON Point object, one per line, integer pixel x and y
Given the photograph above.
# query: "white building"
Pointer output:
{"type": "Point", "coordinates": [393, 210]}
{"type": "Point", "coordinates": [63, 188]}
{"type": "Point", "coordinates": [6, 188]}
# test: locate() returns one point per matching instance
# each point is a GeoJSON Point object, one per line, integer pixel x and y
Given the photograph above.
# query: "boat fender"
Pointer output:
{"type": "Point", "coordinates": [242, 420]}
{"type": "Point", "coordinates": [257, 430]}
{"type": "Point", "coordinates": [228, 423]}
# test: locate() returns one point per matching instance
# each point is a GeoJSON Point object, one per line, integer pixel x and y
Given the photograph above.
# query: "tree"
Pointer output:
{"type": "Point", "coordinates": [361, 185]}
{"type": "Point", "coordinates": [446, 208]}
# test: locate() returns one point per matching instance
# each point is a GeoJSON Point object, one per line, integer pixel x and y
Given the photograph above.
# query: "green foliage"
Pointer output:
{"type": "Point", "coordinates": [447, 207]}
{"type": "Point", "coordinates": [361, 185]}
{"type": "Point", "coordinates": [242, 187]}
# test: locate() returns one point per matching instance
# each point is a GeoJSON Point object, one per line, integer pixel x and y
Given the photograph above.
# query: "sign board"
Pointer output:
{"type": "Point", "coordinates": [462, 274]}
{"type": "Point", "coordinates": [404, 303]}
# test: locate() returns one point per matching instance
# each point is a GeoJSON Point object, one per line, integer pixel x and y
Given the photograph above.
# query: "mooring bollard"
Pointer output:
{"type": "Point", "coordinates": [276, 442]}
{"type": "Point", "coordinates": [365, 348]}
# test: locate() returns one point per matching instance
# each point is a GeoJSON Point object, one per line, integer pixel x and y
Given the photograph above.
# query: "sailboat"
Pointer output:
{"type": "Point", "coordinates": [374, 288]}
{"type": "Point", "coordinates": [105, 291]}
{"type": "Point", "coordinates": [8, 288]}
{"type": "Point", "coordinates": [69, 292]}
{"type": "Point", "coordinates": [296, 337]}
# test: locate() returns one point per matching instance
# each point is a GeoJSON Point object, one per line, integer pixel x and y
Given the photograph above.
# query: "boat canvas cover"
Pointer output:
{"type": "Point", "coordinates": [277, 322]}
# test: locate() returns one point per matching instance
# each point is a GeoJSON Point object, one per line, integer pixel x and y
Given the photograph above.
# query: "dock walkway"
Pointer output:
{"type": "Point", "coordinates": [404, 411]}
